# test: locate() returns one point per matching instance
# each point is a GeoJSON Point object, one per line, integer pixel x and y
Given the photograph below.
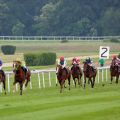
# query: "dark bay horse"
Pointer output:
{"type": "Point", "coordinates": [3, 79]}
{"type": "Point", "coordinates": [62, 75]}
{"type": "Point", "coordinates": [76, 73]}
{"type": "Point", "coordinates": [114, 71]}
{"type": "Point", "coordinates": [90, 73]}
{"type": "Point", "coordinates": [20, 76]}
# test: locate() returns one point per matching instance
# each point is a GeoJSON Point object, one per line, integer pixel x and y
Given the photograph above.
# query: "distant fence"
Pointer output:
{"type": "Point", "coordinates": [59, 38]}
{"type": "Point", "coordinates": [103, 77]}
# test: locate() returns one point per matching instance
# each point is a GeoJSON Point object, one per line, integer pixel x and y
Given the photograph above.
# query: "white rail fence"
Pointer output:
{"type": "Point", "coordinates": [56, 38]}
{"type": "Point", "coordinates": [102, 76]}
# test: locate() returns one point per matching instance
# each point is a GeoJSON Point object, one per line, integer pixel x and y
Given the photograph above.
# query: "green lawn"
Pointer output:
{"type": "Point", "coordinates": [100, 103]}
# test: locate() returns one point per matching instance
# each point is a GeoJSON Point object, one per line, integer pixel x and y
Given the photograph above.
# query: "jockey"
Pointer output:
{"type": "Point", "coordinates": [90, 63]}
{"type": "Point", "coordinates": [23, 66]}
{"type": "Point", "coordinates": [74, 61]}
{"type": "Point", "coordinates": [62, 62]}
{"type": "Point", "coordinates": [117, 60]}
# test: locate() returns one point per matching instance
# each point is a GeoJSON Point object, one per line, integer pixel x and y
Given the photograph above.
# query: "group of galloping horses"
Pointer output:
{"type": "Point", "coordinates": [22, 77]}
{"type": "Point", "coordinates": [88, 71]}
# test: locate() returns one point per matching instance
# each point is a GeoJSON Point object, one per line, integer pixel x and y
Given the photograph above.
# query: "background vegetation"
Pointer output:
{"type": "Point", "coordinates": [60, 17]}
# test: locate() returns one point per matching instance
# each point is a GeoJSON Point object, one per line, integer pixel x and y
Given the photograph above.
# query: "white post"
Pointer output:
{"type": "Point", "coordinates": [83, 78]}
{"type": "Point", "coordinates": [39, 80]}
{"type": "Point", "coordinates": [106, 74]}
{"type": "Point", "coordinates": [43, 79]}
{"type": "Point", "coordinates": [17, 87]}
{"type": "Point", "coordinates": [56, 80]}
{"type": "Point", "coordinates": [1, 87]}
{"type": "Point", "coordinates": [30, 85]}
{"type": "Point", "coordinates": [49, 80]}
{"type": "Point", "coordinates": [8, 83]}
{"type": "Point", "coordinates": [98, 76]}
{"type": "Point", "coordinates": [102, 76]}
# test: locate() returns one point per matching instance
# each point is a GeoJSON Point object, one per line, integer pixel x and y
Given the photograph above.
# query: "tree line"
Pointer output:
{"type": "Point", "coordinates": [60, 17]}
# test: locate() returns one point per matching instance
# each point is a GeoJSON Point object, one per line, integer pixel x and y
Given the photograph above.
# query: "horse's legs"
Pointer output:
{"type": "Point", "coordinates": [80, 80]}
{"type": "Point", "coordinates": [27, 80]}
{"type": "Point", "coordinates": [14, 87]}
{"type": "Point", "coordinates": [93, 82]}
{"type": "Point", "coordinates": [90, 79]}
{"type": "Point", "coordinates": [84, 81]}
{"type": "Point", "coordinates": [21, 87]}
{"type": "Point", "coordinates": [4, 86]}
{"type": "Point", "coordinates": [69, 83]}
{"type": "Point", "coordinates": [117, 77]}
{"type": "Point", "coordinates": [61, 85]}
{"type": "Point", "coordinates": [111, 79]}
{"type": "Point", "coordinates": [74, 82]}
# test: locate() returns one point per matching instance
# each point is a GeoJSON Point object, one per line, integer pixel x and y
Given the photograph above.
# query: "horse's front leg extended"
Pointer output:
{"type": "Point", "coordinates": [4, 87]}
{"type": "Point", "coordinates": [61, 85]}
{"type": "Point", "coordinates": [117, 77]}
{"type": "Point", "coordinates": [21, 87]}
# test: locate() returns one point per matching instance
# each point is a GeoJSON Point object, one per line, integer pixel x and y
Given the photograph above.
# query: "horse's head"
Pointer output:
{"type": "Point", "coordinates": [113, 63]}
{"type": "Point", "coordinates": [58, 68]}
{"type": "Point", "coordinates": [85, 66]}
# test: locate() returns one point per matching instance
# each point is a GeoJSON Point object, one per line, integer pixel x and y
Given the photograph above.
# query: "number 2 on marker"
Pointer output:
{"type": "Point", "coordinates": [104, 51]}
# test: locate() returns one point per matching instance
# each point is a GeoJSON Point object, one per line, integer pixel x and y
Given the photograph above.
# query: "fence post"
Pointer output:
{"type": "Point", "coordinates": [102, 76]}
{"type": "Point", "coordinates": [8, 83]}
{"type": "Point", "coordinates": [106, 74]}
{"type": "Point", "coordinates": [43, 79]}
{"type": "Point", "coordinates": [30, 85]}
{"type": "Point", "coordinates": [39, 80]}
{"type": "Point", "coordinates": [49, 80]}
{"type": "Point", "coordinates": [98, 76]}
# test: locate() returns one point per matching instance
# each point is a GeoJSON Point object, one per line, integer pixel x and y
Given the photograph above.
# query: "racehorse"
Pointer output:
{"type": "Point", "coordinates": [90, 73]}
{"type": "Point", "coordinates": [76, 73]}
{"type": "Point", "coordinates": [3, 79]}
{"type": "Point", "coordinates": [20, 76]}
{"type": "Point", "coordinates": [114, 71]}
{"type": "Point", "coordinates": [63, 75]}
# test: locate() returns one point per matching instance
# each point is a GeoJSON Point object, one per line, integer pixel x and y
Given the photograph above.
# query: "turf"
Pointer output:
{"type": "Point", "coordinates": [100, 103]}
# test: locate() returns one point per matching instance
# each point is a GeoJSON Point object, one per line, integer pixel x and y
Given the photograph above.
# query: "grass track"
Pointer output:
{"type": "Point", "coordinates": [100, 103]}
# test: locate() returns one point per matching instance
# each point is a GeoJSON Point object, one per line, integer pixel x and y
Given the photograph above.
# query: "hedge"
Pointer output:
{"type": "Point", "coordinates": [8, 49]}
{"type": "Point", "coordinates": [119, 55]}
{"type": "Point", "coordinates": [37, 59]}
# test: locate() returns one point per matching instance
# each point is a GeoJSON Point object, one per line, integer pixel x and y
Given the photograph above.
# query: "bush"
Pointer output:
{"type": "Point", "coordinates": [64, 41]}
{"type": "Point", "coordinates": [114, 40]}
{"type": "Point", "coordinates": [8, 49]}
{"type": "Point", "coordinates": [40, 59]}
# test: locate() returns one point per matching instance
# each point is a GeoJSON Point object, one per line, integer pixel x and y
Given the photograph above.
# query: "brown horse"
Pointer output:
{"type": "Point", "coordinates": [3, 79]}
{"type": "Point", "coordinates": [63, 75]}
{"type": "Point", "coordinates": [90, 73]}
{"type": "Point", "coordinates": [114, 71]}
{"type": "Point", "coordinates": [20, 76]}
{"type": "Point", "coordinates": [76, 73]}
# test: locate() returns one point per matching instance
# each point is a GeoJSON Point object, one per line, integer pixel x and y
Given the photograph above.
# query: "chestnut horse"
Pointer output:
{"type": "Point", "coordinates": [76, 73]}
{"type": "Point", "coordinates": [20, 76]}
{"type": "Point", "coordinates": [90, 73]}
{"type": "Point", "coordinates": [63, 75]}
{"type": "Point", "coordinates": [3, 79]}
{"type": "Point", "coordinates": [114, 71]}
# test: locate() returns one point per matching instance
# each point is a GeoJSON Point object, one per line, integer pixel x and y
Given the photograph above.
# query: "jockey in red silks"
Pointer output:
{"type": "Point", "coordinates": [76, 61]}
{"type": "Point", "coordinates": [62, 62]}
{"type": "Point", "coordinates": [117, 60]}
